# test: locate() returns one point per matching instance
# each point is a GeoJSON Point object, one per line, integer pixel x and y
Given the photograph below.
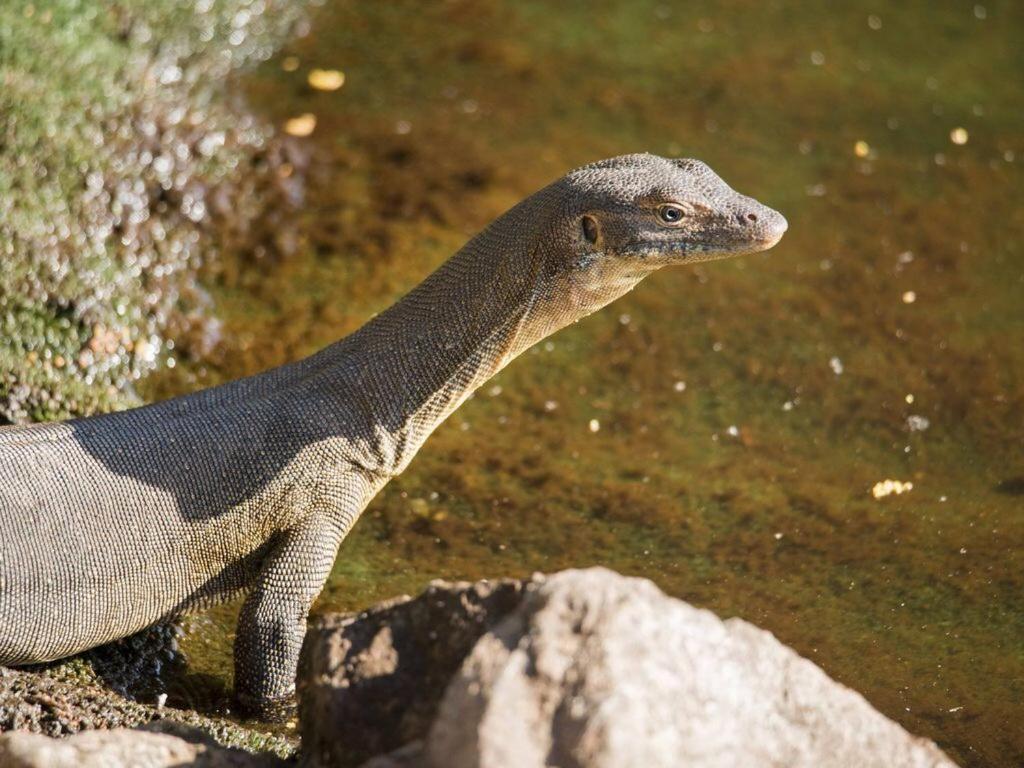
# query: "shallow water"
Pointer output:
{"type": "Point", "coordinates": [746, 408]}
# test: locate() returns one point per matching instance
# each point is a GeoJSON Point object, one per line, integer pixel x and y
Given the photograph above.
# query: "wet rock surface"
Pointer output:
{"type": "Point", "coordinates": [155, 746]}
{"type": "Point", "coordinates": [593, 669]}
{"type": "Point", "coordinates": [37, 703]}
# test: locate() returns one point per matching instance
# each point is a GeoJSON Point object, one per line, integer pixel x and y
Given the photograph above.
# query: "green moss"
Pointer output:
{"type": "Point", "coordinates": [113, 136]}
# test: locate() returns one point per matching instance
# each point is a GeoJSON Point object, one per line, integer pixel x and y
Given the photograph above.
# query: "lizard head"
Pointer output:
{"type": "Point", "coordinates": [646, 211]}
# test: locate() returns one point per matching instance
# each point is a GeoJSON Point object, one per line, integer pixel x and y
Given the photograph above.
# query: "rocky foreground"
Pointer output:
{"type": "Point", "coordinates": [581, 668]}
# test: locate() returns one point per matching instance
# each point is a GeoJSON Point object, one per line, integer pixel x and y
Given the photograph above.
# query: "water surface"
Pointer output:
{"type": "Point", "coordinates": [745, 409]}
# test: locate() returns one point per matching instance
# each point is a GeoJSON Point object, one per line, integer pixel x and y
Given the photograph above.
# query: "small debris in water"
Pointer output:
{"type": "Point", "coordinates": [862, 149]}
{"type": "Point", "coordinates": [836, 365]}
{"type": "Point", "coordinates": [817, 58]}
{"type": "Point", "coordinates": [290, 63]}
{"type": "Point", "coordinates": [733, 431]}
{"type": "Point", "coordinates": [679, 386]}
{"type": "Point", "coordinates": [778, 536]}
{"type": "Point", "coordinates": [874, 22]}
{"type": "Point", "coordinates": [909, 297]}
{"type": "Point", "coordinates": [885, 488]}
{"type": "Point", "coordinates": [326, 79]}
{"type": "Point", "coordinates": [594, 425]}
{"type": "Point", "coordinates": [909, 398]}
{"type": "Point", "coordinates": [958, 136]}
{"type": "Point", "coordinates": [495, 390]}
{"type": "Point", "coordinates": [301, 126]}
{"type": "Point", "coordinates": [788, 405]}
{"type": "Point", "coordinates": [917, 423]}
{"type": "Point", "coordinates": [550, 405]}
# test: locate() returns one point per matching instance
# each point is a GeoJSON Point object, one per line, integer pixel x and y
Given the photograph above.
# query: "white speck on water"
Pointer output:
{"type": "Point", "coordinates": [874, 22]}
{"type": "Point", "coordinates": [717, 346]}
{"type": "Point", "coordinates": [909, 398]}
{"type": "Point", "coordinates": [679, 386]}
{"type": "Point", "coordinates": [495, 390]}
{"type": "Point", "coordinates": [884, 488]}
{"type": "Point", "coordinates": [624, 319]}
{"type": "Point", "coordinates": [954, 709]}
{"type": "Point", "coordinates": [906, 257]}
{"type": "Point", "coordinates": [959, 136]}
{"type": "Point", "coordinates": [963, 550]}
{"type": "Point", "coordinates": [825, 265]}
{"type": "Point", "coordinates": [943, 499]}
{"type": "Point", "coordinates": [815, 190]}
{"type": "Point", "coordinates": [549, 346]}
{"type": "Point", "coordinates": [403, 127]}
{"type": "Point", "coordinates": [778, 535]}
{"type": "Point", "coordinates": [940, 159]}
{"type": "Point", "coordinates": [817, 58]}
{"type": "Point", "coordinates": [594, 425]}
{"type": "Point", "coordinates": [733, 431]}
{"type": "Point", "coordinates": [469, 106]}
{"type": "Point", "coordinates": [980, 12]}
{"type": "Point", "coordinates": [550, 405]}
{"type": "Point", "coordinates": [918, 423]}
{"type": "Point", "coordinates": [909, 297]}
{"type": "Point", "coordinates": [788, 405]}
{"type": "Point", "coordinates": [836, 365]}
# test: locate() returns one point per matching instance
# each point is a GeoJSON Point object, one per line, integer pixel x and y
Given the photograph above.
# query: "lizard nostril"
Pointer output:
{"type": "Point", "coordinates": [752, 216]}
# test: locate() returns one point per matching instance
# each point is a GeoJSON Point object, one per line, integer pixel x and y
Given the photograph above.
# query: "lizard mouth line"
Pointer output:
{"type": "Point", "coordinates": [686, 248]}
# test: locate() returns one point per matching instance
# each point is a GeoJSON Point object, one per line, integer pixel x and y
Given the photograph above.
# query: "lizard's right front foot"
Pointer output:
{"type": "Point", "coordinates": [271, 710]}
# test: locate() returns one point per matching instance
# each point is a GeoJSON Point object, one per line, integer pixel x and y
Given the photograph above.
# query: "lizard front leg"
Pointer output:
{"type": "Point", "coordinates": [272, 623]}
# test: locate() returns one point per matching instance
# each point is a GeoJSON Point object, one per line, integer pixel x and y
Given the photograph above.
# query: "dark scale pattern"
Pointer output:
{"type": "Point", "coordinates": [113, 523]}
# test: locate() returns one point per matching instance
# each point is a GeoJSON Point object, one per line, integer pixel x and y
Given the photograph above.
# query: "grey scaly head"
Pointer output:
{"type": "Point", "coordinates": [605, 226]}
{"type": "Point", "coordinates": [111, 524]}
{"type": "Point", "coordinates": [658, 211]}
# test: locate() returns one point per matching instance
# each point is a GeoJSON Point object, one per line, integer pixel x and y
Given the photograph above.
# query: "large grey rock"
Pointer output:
{"type": "Point", "coordinates": [123, 748]}
{"type": "Point", "coordinates": [595, 670]}
{"type": "Point", "coordinates": [370, 683]}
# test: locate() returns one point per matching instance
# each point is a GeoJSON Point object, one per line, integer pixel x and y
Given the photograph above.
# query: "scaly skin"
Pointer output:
{"type": "Point", "coordinates": [113, 523]}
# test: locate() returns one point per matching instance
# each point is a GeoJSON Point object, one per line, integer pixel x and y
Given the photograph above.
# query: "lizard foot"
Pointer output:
{"type": "Point", "coordinates": [271, 710]}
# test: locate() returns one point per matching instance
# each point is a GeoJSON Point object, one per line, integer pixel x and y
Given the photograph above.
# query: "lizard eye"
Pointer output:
{"type": "Point", "coordinates": [671, 213]}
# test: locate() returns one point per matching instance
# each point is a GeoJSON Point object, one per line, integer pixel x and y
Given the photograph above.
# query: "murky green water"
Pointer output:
{"type": "Point", "coordinates": [746, 408]}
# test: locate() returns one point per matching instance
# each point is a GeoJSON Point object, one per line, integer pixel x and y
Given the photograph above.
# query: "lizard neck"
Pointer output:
{"type": "Point", "coordinates": [414, 364]}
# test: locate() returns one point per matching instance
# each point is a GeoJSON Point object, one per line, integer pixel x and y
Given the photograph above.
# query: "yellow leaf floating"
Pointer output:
{"type": "Point", "coordinates": [326, 79]}
{"type": "Point", "coordinates": [303, 125]}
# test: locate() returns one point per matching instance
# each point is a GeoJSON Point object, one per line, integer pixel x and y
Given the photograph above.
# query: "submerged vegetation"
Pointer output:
{"type": "Point", "coordinates": [722, 429]}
